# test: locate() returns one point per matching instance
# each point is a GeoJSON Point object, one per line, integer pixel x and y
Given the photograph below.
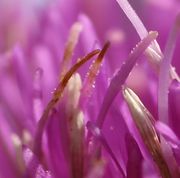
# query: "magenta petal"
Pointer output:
{"type": "Point", "coordinates": [34, 168]}
{"type": "Point", "coordinates": [58, 148]}
{"type": "Point", "coordinates": [164, 73]}
{"type": "Point", "coordinates": [168, 133]}
{"type": "Point", "coordinates": [174, 98]}
{"type": "Point", "coordinates": [99, 136]}
{"type": "Point", "coordinates": [169, 155]}
{"type": "Point", "coordinates": [37, 95]}
{"type": "Point", "coordinates": [22, 71]}
{"type": "Point", "coordinates": [133, 17]}
{"type": "Point", "coordinates": [134, 164]}
{"type": "Point", "coordinates": [120, 77]}
{"type": "Point", "coordinates": [8, 165]}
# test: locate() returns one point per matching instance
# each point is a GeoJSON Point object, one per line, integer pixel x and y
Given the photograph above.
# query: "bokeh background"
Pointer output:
{"type": "Point", "coordinates": [23, 21]}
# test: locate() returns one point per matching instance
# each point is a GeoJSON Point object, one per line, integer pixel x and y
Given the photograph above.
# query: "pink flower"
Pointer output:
{"type": "Point", "coordinates": [74, 105]}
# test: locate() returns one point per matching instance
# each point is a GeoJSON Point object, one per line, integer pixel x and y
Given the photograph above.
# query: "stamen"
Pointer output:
{"type": "Point", "coordinates": [93, 72]}
{"type": "Point", "coordinates": [119, 79]}
{"type": "Point", "coordinates": [57, 95]}
{"type": "Point", "coordinates": [147, 131]}
{"type": "Point", "coordinates": [6, 154]}
{"type": "Point", "coordinates": [163, 110]}
{"type": "Point", "coordinates": [98, 169]}
{"type": "Point", "coordinates": [73, 92]}
{"type": "Point", "coordinates": [19, 153]}
{"type": "Point", "coordinates": [70, 46]}
{"type": "Point", "coordinates": [99, 136]}
{"type": "Point", "coordinates": [76, 129]}
{"type": "Point", "coordinates": [75, 122]}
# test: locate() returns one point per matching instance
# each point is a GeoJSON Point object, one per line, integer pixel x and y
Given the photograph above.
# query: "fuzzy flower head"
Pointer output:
{"type": "Point", "coordinates": [77, 100]}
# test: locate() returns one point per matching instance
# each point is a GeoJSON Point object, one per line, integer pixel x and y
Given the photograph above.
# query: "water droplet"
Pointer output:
{"type": "Point", "coordinates": [93, 85]}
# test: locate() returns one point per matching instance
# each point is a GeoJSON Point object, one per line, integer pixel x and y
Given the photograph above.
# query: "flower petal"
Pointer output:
{"type": "Point", "coordinates": [119, 79]}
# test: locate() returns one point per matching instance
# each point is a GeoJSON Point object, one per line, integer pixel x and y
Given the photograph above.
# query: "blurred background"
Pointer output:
{"type": "Point", "coordinates": [28, 21]}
